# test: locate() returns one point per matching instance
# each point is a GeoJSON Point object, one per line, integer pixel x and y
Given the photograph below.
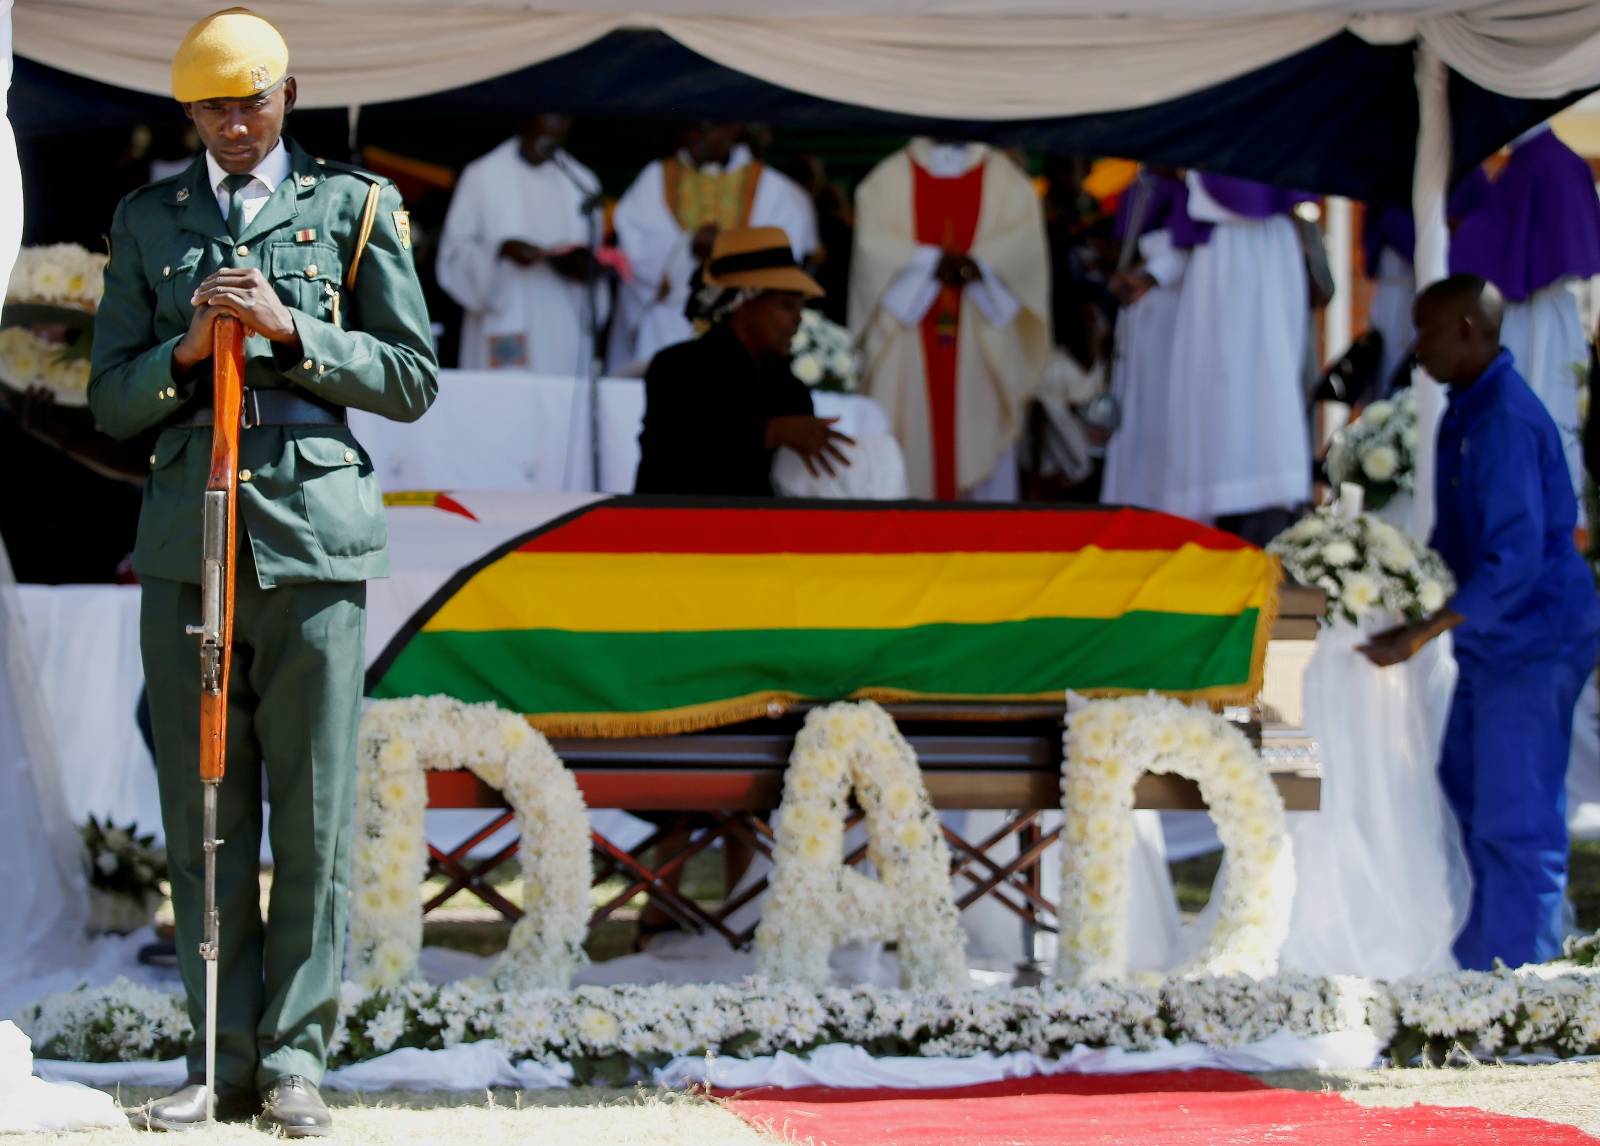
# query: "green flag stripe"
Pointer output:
{"type": "Point", "coordinates": [545, 670]}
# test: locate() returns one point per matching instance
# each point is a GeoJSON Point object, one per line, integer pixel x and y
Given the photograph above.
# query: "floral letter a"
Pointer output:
{"type": "Point", "coordinates": [816, 902]}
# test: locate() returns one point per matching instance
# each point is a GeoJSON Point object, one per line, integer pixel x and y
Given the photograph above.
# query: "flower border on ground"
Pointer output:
{"type": "Point", "coordinates": [1109, 744]}
{"type": "Point", "coordinates": [399, 741]}
{"type": "Point", "coordinates": [816, 902]}
{"type": "Point", "coordinates": [1372, 572]}
{"type": "Point", "coordinates": [612, 1033]}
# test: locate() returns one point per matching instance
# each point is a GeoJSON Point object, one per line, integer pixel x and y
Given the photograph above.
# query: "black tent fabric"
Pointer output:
{"type": "Point", "coordinates": [1355, 99]}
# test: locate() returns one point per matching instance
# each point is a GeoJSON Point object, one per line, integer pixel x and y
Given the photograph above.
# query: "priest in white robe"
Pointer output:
{"type": "Point", "coordinates": [1152, 223]}
{"type": "Point", "coordinates": [1239, 449]}
{"type": "Point", "coordinates": [950, 298]}
{"type": "Point", "coordinates": [668, 219]}
{"type": "Point", "coordinates": [517, 254]}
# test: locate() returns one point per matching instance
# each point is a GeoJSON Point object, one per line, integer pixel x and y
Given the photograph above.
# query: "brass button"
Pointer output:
{"type": "Point", "coordinates": [172, 391]}
{"type": "Point", "coordinates": [152, 459]}
{"type": "Point", "coordinates": [311, 271]}
{"type": "Point", "coordinates": [349, 455]}
{"type": "Point", "coordinates": [166, 272]}
{"type": "Point", "coordinates": [244, 475]}
{"type": "Point", "coordinates": [309, 180]}
{"type": "Point", "coordinates": [322, 369]}
{"type": "Point", "coordinates": [307, 364]}
{"type": "Point", "coordinates": [160, 393]}
{"type": "Point", "coordinates": [242, 249]}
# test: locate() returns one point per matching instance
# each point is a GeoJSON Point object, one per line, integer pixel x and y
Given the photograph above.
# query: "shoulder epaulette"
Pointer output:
{"type": "Point", "coordinates": [352, 169]}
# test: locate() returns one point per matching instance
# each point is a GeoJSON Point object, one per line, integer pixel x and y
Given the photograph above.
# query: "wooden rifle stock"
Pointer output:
{"type": "Point", "coordinates": [217, 571]}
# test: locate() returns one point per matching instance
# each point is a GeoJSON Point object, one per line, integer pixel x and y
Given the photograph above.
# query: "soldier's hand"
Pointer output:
{"type": "Point", "coordinates": [245, 293]}
{"type": "Point", "coordinates": [195, 345]}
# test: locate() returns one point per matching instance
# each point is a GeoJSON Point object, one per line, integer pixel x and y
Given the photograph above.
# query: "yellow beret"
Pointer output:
{"type": "Point", "coordinates": [233, 54]}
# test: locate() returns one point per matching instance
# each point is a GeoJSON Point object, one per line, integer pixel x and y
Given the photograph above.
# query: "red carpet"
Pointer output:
{"type": "Point", "coordinates": [1180, 1108]}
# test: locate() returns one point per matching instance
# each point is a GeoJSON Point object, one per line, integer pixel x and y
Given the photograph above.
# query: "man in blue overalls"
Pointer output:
{"type": "Point", "coordinates": [1526, 620]}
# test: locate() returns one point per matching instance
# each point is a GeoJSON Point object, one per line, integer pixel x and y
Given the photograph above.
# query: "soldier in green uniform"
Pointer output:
{"type": "Point", "coordinates": [314, 258]}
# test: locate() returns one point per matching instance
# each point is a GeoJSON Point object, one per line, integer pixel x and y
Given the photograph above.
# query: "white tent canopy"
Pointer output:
{"type": "Point", "coordinates": [975, 59]}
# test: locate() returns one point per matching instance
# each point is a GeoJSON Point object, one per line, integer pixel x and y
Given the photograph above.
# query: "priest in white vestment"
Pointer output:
{"type": "Point", "coordinates": [517, 254]}
{"type": "Point", "coordinates": [1152, 224]}
{"type": "Point", "coordinates": [950, 298]}
{"type": "Point", "coordinates": [668, 219]}
{"type": "Point", "coordinates": [1239, 450]}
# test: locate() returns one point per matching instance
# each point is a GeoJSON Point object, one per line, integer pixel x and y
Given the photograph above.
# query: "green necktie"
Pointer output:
{"type": "Point", "coordinates": [236, 185]}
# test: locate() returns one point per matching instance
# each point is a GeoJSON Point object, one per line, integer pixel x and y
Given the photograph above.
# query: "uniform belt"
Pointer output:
{"type": "Point", "coordinates": [275, 408]}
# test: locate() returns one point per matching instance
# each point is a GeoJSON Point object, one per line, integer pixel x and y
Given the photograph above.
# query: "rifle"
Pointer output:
{"type": "Point", "coordinates": [215, 631]}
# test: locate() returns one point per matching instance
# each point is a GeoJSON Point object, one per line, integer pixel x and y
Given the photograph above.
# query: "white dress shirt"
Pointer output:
{"type": "Point", "coordinates": [270, 172]}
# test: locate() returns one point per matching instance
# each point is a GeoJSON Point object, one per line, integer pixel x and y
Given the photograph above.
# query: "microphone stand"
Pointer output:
{"type": "Point", "coordinates": [589, 370]}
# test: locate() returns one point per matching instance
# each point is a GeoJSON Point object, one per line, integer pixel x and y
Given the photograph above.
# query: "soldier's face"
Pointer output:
{"type": "Point", "coordinates": [240, 132]}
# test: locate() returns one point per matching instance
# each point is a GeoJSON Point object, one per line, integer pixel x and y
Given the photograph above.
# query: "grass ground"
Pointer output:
{"type": "Point", "coordinates": [1559, 1092]}
{"type": "Point", "coordinates": [585, 1117]}
{"type": "Point", "coordinates": [1565, 1092]}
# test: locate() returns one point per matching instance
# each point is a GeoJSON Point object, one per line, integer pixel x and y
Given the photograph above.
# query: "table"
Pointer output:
{"type": "Point", "coordinates": [508, 430]}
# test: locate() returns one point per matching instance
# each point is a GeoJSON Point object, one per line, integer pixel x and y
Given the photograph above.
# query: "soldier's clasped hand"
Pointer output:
{"type": "Point", "coordinates": [245, 293]}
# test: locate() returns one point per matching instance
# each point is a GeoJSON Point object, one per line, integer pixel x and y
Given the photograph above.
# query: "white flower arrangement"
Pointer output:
{"type": "Point", "coordinates": [1378, 451]}
{"type": "Point", "coordinates": [610, 1034]}
{"type": "Point", "coordinates": [126, 873]}
{"type": "Point", "coordinates": [1109, 744]}
{"type": "Point", "coordinates": [60, 274]}
{"type": "Point", "coordinates": [823, 355]}
{"type": "Point", "coordinates": [1371, 571]}
{"type": "Point", "coordinates": [50, 304]}
{"type": "Point", "coordinates": [816, 902]}
{"type": "Point", "coordinates": [400, 739]}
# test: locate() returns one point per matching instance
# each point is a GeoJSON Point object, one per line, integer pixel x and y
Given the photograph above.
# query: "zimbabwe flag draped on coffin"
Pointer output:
{"type": "Point", "coordinates": [638, 616]}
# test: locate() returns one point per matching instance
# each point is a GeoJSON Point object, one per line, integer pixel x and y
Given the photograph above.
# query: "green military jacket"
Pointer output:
{"type": "Point", "coordinates": [309, 501]}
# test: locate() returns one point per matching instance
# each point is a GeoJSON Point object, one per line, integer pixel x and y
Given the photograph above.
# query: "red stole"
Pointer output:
{"type": "Point", "coordinates": [947, 218]}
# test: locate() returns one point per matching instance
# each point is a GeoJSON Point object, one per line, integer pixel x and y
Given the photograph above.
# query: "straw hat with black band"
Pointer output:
{"type": "Point", "coordinates": [746, 262]}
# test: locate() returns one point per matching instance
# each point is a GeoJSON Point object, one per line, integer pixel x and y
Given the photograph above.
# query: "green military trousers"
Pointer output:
{"type": "Point", "coordinates": [293, 704]}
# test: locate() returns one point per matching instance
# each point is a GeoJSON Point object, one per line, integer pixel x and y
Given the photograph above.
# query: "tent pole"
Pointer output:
{"type": "Point", "coordinates": [1429, 188]}
{"type": "Point", "coordinates": [1338, 319]}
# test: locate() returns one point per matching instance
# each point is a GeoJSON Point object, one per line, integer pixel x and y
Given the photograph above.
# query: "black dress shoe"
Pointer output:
{"type": "Point", "coordinates": [293, 1105]}
{"type": "Point", "coordinates": [185, 1108]}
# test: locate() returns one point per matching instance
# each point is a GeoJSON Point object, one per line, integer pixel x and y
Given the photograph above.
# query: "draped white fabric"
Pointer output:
{"type": "Point", "coordinates": [970, 59]}
{"type": "Point", "coordinates": [1383, 885]}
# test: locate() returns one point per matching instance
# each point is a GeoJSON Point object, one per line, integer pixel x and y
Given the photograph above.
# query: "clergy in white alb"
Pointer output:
{"type": "Point", "coordinates": [950, 298]}
{"type": "Point", "coordinates": [1238, 440]}
{"type": "Point", "coordinates": [668, 219]}
{"type": "Point", "coordinates": [516, 254]}
{"type": "Point", "coordinates": [1153, 225]}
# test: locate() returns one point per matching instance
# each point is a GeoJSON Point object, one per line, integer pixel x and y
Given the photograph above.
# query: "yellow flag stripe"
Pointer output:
{"type": "Point", "coordinates": [656, 592]}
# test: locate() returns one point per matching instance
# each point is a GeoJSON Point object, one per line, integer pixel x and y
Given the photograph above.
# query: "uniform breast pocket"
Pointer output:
{"type": "Point", "coordinates": [305, 275]}
{"type": "Point", "coordinates": [175, 286]}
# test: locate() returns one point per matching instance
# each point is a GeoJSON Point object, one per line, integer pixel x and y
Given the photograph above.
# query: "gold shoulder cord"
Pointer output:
{"type": "Point", "coordinates": [367, 217]}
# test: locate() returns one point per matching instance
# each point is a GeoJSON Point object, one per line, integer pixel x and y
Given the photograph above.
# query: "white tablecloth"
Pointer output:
{"type": "Point", "coordinates": [506, 430]}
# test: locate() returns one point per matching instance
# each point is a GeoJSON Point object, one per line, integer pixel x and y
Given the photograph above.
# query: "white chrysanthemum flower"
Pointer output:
{"type": "Point", "coordinates": [1361, 592]}
{"type": "Point", "coordinates": [808, 368]}
{"type": "Point", "coordinates": [1431, 596]}
{"type": "Point", "coordinates": [1380, 463]}
{"type": "Point", "coordinates": [1339, 553]}
{"type": "Point", "coordinates": [1378, 413]}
